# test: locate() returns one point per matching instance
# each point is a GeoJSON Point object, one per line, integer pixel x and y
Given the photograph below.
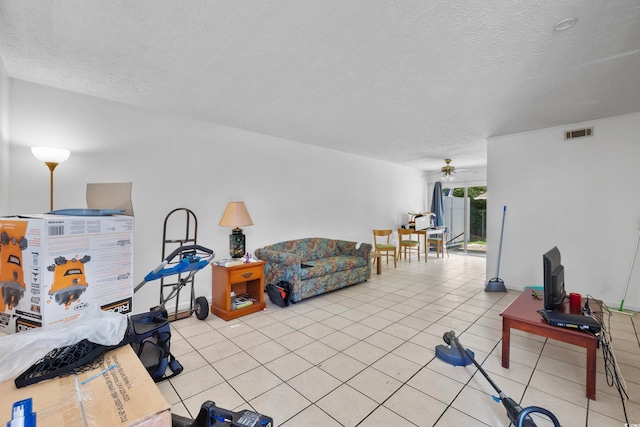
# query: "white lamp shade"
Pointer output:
{"type": "Point", "coordinates": [50, 154]}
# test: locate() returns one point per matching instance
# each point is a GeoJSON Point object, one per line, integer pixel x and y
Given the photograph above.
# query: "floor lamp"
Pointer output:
{"type": "Point", "coordinates": [51, 157]}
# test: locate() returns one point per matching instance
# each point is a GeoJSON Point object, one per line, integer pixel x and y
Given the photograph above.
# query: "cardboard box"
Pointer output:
{"type": "Point", "coordinates": [53, 267]}
{"type": "Point", "coordinates": [122, 396]}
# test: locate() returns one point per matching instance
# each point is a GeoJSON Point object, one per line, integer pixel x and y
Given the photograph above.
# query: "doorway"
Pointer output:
{"type": "Point", "coordinates": [465, 218]}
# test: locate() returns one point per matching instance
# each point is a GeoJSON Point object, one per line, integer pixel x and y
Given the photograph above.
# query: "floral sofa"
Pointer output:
{"type": "Point", "coordinates": [315, 265]}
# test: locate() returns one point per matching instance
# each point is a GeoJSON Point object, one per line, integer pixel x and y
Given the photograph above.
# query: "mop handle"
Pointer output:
{"type": "Point", "coordinates": [482, 371]}
{"type": "Point", "coordinates": [504, 213]}
{"type": "Point", "coordinates": [518, 416]}
{"type": "Point", "coordinates": [633, 260]}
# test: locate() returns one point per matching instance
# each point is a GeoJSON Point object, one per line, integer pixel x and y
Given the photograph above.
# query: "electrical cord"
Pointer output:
{"type": "Point", "coordinates": [612, 372]}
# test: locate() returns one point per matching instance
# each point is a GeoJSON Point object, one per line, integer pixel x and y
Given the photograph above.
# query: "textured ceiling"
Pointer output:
{"type": "Point", "coordinates": [410, 82]}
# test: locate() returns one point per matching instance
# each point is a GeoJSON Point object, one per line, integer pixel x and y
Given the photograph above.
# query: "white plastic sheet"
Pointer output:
{"type": "Point", "coordinates": [21, 350]}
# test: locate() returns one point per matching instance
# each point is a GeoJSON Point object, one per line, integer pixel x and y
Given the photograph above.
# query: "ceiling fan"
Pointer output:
{"type": "Point", "coordinates": [447, 172]}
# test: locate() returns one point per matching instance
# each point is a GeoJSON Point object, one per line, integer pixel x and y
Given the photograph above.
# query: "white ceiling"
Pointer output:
{"type": "Point", "coordinates": [410, 82]}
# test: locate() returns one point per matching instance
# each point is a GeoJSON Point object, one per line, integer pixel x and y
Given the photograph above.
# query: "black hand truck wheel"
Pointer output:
{"type": "Point", "coordinates": [202, 308]}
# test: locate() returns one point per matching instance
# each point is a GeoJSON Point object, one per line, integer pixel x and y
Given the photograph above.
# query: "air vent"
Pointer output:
{"type": "Point", "coordinates": [578, 133]}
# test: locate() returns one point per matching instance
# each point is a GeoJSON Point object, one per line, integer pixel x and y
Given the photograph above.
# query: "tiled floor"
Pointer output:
{"type": "Point", "coordinates": [365, 356]}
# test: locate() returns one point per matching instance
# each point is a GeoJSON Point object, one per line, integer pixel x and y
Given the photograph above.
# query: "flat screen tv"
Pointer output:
{"type": "Point", "coordinates": [554, 292]}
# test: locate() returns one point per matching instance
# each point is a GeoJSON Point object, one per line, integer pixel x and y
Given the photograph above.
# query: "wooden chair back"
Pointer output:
{"type": "Point", "coordinates": [407, 244]}
{"type": "Point", "coordinates": [382, 244]}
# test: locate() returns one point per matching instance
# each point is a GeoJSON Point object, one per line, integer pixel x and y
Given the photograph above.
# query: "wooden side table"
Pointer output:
{"type": "Point", "coordinates": [242, 279]}
{"type": "Point", "coordinates": [522, 314]}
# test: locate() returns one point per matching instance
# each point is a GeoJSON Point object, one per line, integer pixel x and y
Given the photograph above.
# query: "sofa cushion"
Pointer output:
{"type": "Point", "coordinates": [309, 249]}
{"type": "Point", "coordinates": [320, 267]}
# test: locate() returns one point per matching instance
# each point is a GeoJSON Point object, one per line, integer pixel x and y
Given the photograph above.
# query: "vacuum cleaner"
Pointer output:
{"type": "Point", "coordinates": [455, 354]}
{"type": "Point", "coordinates": [212, 416]}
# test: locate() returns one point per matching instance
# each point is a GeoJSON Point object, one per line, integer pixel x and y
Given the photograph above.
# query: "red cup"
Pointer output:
{"type": "Point", "coordinates": [575, 303]}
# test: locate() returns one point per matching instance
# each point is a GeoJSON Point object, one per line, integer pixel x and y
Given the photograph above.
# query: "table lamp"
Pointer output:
{"type": "Point", "coordinates": [51, 157]}
{"type": "Point", "coordinates": [236, 215]}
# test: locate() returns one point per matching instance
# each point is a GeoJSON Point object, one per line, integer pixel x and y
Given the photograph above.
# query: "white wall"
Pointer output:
{"type": "Point", "coordinates": [4, 139]}
{"type": "Point", "coordinates": [291, 190]}
{"type": "Point", "coordinates": [579, 195]}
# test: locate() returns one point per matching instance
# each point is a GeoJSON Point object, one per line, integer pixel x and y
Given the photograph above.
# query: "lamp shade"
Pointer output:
{"type": "Point", "coordinates": [50, 154]}
{"type": "Point", "coordinates": [235, 215]}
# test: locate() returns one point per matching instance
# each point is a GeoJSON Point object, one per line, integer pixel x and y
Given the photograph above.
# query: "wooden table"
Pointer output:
{"type": "Point", "coordinates": [522, 314]}
{"type": "Point", "coordinates": [431, 232]}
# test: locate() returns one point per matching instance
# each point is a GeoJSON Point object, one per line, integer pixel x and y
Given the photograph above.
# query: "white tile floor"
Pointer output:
{"type": "Point", "coordinates": [365, 356]}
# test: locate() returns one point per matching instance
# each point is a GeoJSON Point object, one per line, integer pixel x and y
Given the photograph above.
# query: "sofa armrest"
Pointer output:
{"type": "Point", "coordinates": [282, 266]}
{"type": "Point", "coordinates": [349, 248]}
{"type": "Point", "coordinates": [285, 258]}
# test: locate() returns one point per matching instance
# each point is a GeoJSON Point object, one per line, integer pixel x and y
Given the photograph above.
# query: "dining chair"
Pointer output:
{"type": "Point", "coordinates": [382, 243]}
{"type": "Point", "coordinates": [407, 244]}
{"type": "Point", "coordinates": [437, 242]}
{"type": "Point", "coordinates": [440, 244]}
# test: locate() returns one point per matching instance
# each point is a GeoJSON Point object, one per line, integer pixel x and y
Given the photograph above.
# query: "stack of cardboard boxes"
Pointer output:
{"type": "Point", "coordinates": [53, 267]}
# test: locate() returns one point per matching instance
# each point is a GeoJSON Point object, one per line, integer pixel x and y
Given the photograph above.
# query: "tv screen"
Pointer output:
{"type": "Point", "coordinates": [553, 276]}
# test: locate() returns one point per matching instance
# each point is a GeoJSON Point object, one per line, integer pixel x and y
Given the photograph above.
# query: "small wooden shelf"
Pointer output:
{"type": "Point", "coordinates": [242, 279]}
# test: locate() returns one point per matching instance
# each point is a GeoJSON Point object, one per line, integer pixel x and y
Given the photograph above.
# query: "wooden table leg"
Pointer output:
{"type": "Point", "coordinates": [591, 369]}
{"type": "Point", "coordinates": [426, 248]}
{"type": "Point", "coordinates": [377, 260]}
{"type": "Point", "coordinates": [506, 342]}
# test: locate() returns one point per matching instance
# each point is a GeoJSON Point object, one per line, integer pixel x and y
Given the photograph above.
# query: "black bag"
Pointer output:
{"type": "Point", "coordinates": [150, 336]}
{"type": "Point", "coordinates": [279, 293]}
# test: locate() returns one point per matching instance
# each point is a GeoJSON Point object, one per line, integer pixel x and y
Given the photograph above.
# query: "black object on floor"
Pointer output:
{"type": "Point", "coordinates": [280, 293]}
{"type": "Point", "coordinates": [461, 356]}
{"type": "Point", "coordinates": [497, 284]}
{"type": "Point", "coordinates": [150, 337]}
{"type": "Point", "coordinates": [212, 416]}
